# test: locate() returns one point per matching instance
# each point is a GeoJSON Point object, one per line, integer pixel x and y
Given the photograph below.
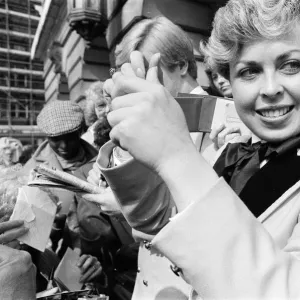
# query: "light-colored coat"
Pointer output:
{"type": "Point", "coordinates": [138, 190]}
{"type": "Point", "coordinates": [235, 257]}
{"type": "Point", "coordinates": [147, 205]}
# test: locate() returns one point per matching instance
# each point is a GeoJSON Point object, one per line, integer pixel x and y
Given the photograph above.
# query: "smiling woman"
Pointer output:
{"type": "Point", "coordinates": [255, 45]}
{"type": "Point", "coordinates": [265, 79]}
{"type": "Point", "coordinates": [260, 55]}
{"type": "Point", "coordinates": [262, 62]}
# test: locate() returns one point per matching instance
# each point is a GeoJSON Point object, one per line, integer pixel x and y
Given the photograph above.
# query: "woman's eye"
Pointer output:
{"type": "Point", "coordinates": [291, 67]}
{"type": "Point", "coordinates": [248, 73]}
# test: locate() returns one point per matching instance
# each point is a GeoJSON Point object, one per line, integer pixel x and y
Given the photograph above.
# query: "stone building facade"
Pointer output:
{"type": "Point", "coordinates": [76, 38]}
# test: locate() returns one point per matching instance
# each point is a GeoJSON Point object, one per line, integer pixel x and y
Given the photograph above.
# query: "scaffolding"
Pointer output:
{"type": "Point", "coordinates": [21, 79]}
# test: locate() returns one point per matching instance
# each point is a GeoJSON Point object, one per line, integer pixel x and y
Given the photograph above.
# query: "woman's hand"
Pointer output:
{"type": "Point", "coordinates": [222, 135]}
{"type": "Point", "coordinates": [10, 231]}
{"type": "Point", "coordinates": [146, 120]}
{"type": "Point", "coordinates": [94, 176]}
{"type": "Point", "coordinates": [149, 123]}
{"type": "Point", "coordinates": [90, 268]}
{"type": "Point", "coordinates": [106, 201]}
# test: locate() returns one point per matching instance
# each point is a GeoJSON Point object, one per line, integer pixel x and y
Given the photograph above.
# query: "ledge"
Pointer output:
{"type": "Point", "coordinates": [18, 14]}
{"type": "Point", "coordinates": [49, 18]}
{"type": "Point", "coordinates": [22, 90]}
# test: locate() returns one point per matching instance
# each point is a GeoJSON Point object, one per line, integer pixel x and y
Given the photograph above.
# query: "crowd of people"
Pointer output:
{"type": "Point", "coordinates": [168, 224]}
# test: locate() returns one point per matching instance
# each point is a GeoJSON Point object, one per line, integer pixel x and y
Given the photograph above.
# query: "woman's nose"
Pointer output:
{"type": "Point", "coordinates": [271, 87]}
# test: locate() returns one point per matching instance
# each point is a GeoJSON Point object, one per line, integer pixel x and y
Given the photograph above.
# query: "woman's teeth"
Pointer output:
{"type": "Point", "coordinates": [275, 113]}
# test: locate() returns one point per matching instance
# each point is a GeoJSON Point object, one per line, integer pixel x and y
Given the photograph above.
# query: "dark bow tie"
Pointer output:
{"type": "Point", "coordinates": [240, 161]}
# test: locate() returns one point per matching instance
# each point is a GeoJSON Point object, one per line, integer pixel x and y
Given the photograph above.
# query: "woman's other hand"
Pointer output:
{"type": "Point", "coordinates": [94, 176]}
{"type": "Point", "coordinates": [222, 135]}
{"type": "Point", "coordinates": [106, 201]}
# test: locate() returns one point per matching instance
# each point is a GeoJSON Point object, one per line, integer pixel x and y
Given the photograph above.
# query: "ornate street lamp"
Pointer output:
{"type": "Point", "coordinates": [87, 18]}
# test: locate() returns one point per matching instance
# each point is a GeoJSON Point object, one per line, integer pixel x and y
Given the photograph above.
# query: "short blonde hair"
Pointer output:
{"type": "Point", "coordinates": [159, 35]}
{"type": "Point", "coordinates": [94, 95]}
{"type": "Point", "coordinates": [244, 21]}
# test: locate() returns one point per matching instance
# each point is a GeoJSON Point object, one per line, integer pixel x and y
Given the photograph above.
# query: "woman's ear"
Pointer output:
{"type": "Point", "coordinates": [184, 66]}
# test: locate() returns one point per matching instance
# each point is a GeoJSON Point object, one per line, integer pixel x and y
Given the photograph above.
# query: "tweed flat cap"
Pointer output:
{"type": "Point", "coordinates": [60, 117]}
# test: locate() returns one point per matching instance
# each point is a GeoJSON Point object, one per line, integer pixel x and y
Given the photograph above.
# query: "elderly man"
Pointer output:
{"type": "Point", "coordinates": [62, 122]}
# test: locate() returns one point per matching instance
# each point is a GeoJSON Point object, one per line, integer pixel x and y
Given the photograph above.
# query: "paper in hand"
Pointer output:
{"type": "Point", "coordinates": [46, 176]}
{"type": "Point", "coordinates": [36, 208]}
{"type": "Point", "coordinates": [67, 274]}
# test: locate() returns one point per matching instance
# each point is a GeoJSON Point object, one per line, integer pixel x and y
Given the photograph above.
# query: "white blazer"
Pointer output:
{"type": "Point", "coordinates": [226, 253]}
{"type": "Point", "coordinates": [205, 238]}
